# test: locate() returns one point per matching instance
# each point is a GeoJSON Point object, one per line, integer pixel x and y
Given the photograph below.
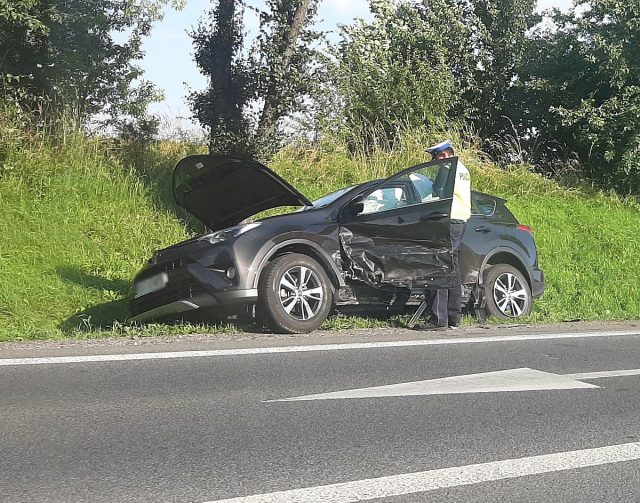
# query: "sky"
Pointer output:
{"type": "Point", "coordinates": [168, 60]}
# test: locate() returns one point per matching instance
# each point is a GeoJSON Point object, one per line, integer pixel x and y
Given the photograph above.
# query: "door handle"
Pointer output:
{"type": "Point", "coordinates": [483, 229]}
{"type": "Point", "coordinates": [434, 216]}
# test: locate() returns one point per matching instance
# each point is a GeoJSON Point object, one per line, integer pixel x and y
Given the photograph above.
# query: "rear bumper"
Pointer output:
{"type": "Point", "coordinates": [537, 283]}
{"type": "Point", "coordinates": [189, 288]}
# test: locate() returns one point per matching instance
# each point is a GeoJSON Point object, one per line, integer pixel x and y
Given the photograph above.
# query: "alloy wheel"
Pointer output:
{"type": "Point", "coordinates": [510, 295]}
{"type": "Point", "coordinates": [301, 293]}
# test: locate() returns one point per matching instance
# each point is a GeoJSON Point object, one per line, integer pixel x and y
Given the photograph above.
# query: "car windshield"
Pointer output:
{"type": "Point", "coordinates": [329, 198]}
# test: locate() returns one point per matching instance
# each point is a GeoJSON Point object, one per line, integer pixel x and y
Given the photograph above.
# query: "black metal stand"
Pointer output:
{"type": "Point", "coordinates": [416, 316]}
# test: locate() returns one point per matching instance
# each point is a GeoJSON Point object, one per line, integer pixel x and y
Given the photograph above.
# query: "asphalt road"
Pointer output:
{"type": "Point", "coordinates": [209, 427]}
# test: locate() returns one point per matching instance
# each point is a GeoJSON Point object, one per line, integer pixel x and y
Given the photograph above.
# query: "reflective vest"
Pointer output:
{"type": "Point", "coordinates": [461, 207]}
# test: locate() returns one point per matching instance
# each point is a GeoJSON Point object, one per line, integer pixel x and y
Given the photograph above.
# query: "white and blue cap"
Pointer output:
{"type": "Point", "coordinates": [436, 149]}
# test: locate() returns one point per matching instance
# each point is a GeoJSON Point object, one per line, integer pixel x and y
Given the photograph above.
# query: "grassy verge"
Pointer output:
{"type": "Point", "coordinates": [78, 217]}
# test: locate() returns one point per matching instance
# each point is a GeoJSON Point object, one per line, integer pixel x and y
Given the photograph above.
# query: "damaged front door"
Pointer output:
{"type": "Point", "coordinates": [397, 234]}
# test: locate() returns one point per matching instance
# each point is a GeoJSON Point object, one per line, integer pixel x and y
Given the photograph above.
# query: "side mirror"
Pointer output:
{"type": "Point", "coordinates": [356, 206]}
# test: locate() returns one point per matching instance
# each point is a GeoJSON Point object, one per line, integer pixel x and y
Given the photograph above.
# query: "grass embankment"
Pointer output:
{"type": "Point", "coordinates": [76, 223]}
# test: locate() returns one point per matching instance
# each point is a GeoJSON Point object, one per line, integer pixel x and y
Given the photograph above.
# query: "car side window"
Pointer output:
{"type": "Point", "coordinates": [422, 185]}
{"type": "Point", "coordinates": [386, 198]}
{"type": "Point", "coordinates": [482, 205]}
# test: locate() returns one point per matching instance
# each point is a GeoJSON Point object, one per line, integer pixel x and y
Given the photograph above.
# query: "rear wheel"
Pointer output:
{"type": "Point", "coordinates": [294, 294]}
{"type": "Point", "coordinates": [508, 294]}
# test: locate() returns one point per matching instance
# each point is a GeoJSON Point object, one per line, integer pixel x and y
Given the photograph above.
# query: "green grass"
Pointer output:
{"type": "Point", "coordinates": [78, 218]}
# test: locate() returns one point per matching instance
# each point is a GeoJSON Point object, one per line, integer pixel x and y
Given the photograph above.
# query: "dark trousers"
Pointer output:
{"type": "Point", "coordinates": [447, 302]}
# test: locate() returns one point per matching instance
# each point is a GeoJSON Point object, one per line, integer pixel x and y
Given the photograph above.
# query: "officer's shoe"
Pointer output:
{"type": "Point", "coordinates": [454, 325]}
{"type": "Point", "coordinates": [427, 326]}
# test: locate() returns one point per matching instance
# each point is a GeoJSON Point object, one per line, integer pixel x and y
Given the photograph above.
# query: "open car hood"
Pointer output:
{"type": "Point", "coordinates": [222, 192]}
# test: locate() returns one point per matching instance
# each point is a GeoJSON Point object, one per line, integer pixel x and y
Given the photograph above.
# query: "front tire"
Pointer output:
{"type": "Point", "coordinates": [294, 294]}
{"type": "Point", "coordinates": [508, 295]}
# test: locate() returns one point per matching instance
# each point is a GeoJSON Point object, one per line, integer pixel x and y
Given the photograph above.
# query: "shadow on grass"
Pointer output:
{"type": "Point", "coordinates": [114, 314]}
{"type": "Point", "coordinates": [161, 190]}
{"type": "Point", "coordinates": [155, 171]}
{"type": "Point", "coordinates": [101, 315]}
{"type": "Point", "coordinates": [76, 276]}
{"type": "Point", "coordinates": [98, 317]}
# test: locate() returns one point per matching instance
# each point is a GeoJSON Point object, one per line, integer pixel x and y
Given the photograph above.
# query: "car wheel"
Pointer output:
{"type": "Point", "coordinates": [294, 294]}
{"type": "Point", "coordinates": [508, 292]}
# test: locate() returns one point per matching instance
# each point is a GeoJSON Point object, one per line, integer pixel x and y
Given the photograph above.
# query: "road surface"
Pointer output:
{"type": "Point", "coordinates": [501, 415]}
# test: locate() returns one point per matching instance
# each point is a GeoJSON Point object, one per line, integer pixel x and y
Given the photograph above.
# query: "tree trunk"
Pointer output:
{"type": "Point", "coordinates": [222, 51]}
{"type": "Point", "coordinates": [270, 114]}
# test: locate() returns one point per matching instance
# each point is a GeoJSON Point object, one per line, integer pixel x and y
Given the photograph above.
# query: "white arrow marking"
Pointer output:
{"type": "Point", "coordinates": [524, 379]}
{"type": "Point", "coordinates": [432, 480]}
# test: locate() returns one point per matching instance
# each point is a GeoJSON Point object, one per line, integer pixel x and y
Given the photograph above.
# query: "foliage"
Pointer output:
{"type": "Point", "coordinates": [605, 122]}
{"type": "Point", "coordinates": [578, 97]}
{"type": "Point", "coordinates": [222, 106]}
{"type": "Point", "coordinates": [392, 72]}
{"type": "Point", "coordinates": [248, 96]}
{"type": "Point", "coordinates": [20, 12]}
{"type": "Point", "coordinates": [490, 63]}
{"type": "Point", "coordinates": [423, 63]}
{"type": "Point", "coordinates": [285, 65]}
{"type": "Point", "coordinates": [57, 56]}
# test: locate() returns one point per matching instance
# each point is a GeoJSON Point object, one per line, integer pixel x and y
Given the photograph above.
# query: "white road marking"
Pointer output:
{"type": "Point", "coordinates": [585, 376]}
{"type": "Point", "coordinates": [412, 483]}
{"type": "Point", "coordinates": [489, 382]}
{"type": "Point", "coordinates": [513, 380]}
{"type": "Point", "coordinates": [4, 362]}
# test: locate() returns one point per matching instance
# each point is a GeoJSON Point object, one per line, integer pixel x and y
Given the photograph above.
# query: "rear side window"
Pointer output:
{"type": "Point", "coordinates": [504, 215]}
{"type": "Point", "coordinates": [482, 205]}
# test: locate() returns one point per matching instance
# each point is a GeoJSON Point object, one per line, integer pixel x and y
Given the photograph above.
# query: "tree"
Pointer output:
{"type": "Point", "coordinates": [580, 93]}
{"type": "Point", "coordinates": [264, 87]}
{"type": "Point", "coordinates": [393, 72]}
{"type": "Point", "coordinates": [424, 62]}
{"type": "Point", "coordinates": [221, 107]}
{"type": "Point", "coordinates": [286, 62]}
{"type": "Point", "coordinates": [492, 60]}
{"type": "Point", "coordinates": [22, 30]}
{"type": "Point", "coordinates": [64, 52]}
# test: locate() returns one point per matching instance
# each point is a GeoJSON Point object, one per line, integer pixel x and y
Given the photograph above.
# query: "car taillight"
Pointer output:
{"type": "Point", "coordinates": [525, 228]}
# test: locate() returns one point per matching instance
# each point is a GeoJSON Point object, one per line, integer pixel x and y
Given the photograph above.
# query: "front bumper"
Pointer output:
{"type": "Point", "coordinates": [189, 287]}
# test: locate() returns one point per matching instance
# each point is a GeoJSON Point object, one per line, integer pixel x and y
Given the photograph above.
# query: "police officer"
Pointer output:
{"type": "Point", "coordinates": [446, 309]}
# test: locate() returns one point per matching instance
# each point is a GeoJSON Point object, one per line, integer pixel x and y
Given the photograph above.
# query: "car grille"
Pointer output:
{"type": "Point", "coordinates": [164, 267]}
{"type": "Point", "coordinates": [181, 286]}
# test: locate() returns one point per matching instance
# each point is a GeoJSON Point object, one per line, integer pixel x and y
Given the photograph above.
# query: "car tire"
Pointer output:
{"type": "Point", "coordinates": [508, 295]}
{"type": "Point", "coordinates": [294, 294]}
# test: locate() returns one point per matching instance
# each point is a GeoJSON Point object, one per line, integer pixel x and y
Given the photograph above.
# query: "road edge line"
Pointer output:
{"type": "Point", "coordinates": [102, 358]}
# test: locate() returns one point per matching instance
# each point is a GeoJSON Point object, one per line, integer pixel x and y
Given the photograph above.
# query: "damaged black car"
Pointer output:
{"type": "Point", "coordinates": [363, 249]}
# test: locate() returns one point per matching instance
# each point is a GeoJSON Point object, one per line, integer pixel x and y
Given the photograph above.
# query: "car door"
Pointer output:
{"type": "Point", "coordinates": [397, 233]}
{"type": "Point", "coordinates": [484, 231]}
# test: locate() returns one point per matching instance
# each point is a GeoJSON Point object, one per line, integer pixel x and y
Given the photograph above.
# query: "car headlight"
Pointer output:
{"type": "Point", "coordinates": [232, 232]}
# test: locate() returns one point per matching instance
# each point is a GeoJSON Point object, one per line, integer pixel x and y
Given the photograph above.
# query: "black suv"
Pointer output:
{"type": "Point", "coordinates": [373, 246]}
